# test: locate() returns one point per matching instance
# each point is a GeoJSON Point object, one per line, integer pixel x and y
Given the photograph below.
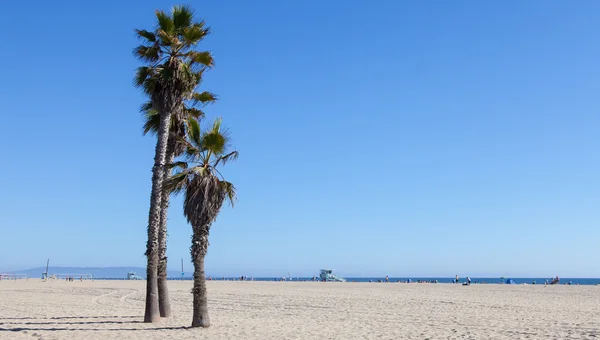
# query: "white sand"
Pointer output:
{"type": "Point", "coordinates": [284, 310]}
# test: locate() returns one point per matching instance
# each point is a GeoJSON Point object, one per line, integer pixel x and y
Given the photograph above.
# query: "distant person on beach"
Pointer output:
{"type": "Point", "coordinates": [387, 279]}
{"type": "Point", "coordinates": [468, 280]}
{"type": "Point", "coordinates": [456, 279]}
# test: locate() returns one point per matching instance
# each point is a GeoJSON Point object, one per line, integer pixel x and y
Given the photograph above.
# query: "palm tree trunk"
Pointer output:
{"type": "Point", "coordinates": [152, 312]}
{"type": "Point", "coordinates": [198, 250]}
{"type": "Point", "coordinates": [164, 303]}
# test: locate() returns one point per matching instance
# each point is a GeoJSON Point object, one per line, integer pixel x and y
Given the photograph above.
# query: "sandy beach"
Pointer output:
{"type": "Point", "coordinates": [302, 310]}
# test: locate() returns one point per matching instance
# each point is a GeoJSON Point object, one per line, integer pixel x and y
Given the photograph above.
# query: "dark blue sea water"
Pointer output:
{"type": "Point", "coordinates": [474, 280]}
{"type": "Point", "coordinates": [487, 280]}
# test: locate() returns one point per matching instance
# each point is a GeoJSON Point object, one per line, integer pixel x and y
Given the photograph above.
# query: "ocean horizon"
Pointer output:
{"type": "Point", "coordinates": [120, 273]}
{"type": "Point", "coordinates": [474, 280]}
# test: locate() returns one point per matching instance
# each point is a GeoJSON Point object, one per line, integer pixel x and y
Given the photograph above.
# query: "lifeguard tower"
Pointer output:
{"type": "Point", "coordinates": [327, 275]}
{"type": "Point", "coordinates": [132, 276]}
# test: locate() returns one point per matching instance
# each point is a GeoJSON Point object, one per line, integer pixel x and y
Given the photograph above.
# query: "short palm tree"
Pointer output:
{"type": "Point", "coordinates": [205, 191]}
{"type": "Point", "coordinates": [174, 149]}
{"type": "Point", "coordinates": [173, 70]}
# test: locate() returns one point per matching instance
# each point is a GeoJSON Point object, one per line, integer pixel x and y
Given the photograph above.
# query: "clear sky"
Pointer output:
{"type": "Point", "coordinates": [376, 138]}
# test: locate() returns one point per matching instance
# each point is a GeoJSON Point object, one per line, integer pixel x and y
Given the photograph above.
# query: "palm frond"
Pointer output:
{"type": "Point", "coordinates": [194, 132]}
{"type": "Point", "coordinates": [203, 98]}
{"type": "Point", "coordinates": [230, 191]}
{"type": "Point", "coordinates": [141, 74]}
{"type": "Point", "coordinates": [188, 76]}
{"type": "Point", "coordinates": [193, 34]}
{"type": "Point", "coordinates": [176, 183]}
{"type": "Point", "coordinates": [202, 58]}
{"type": "Point", "coordinates": [165, 22]}
{"type": "Point", "coordinates": [178, 165]}
{"type": "Point", "coordinates": [214, 142]}
{"type": "Point", "coordinates": [145, 79]}
{"type": "Point", "coordinates": [166, 39]}
{"type": "Point", "coordinates": [197, 73]}
{"type": "Point", "coordinates": [182, 17]}
{"type": "Point", "coordinates": [194, 113]}
{"type": "Point", "coordinates": [148, 36]}
{"type": "Point", "coordinates": [232, 156]}
{"type": "Point", "coordinates": [152, 122]}
{"type": "Point", "coordinates": [217, 125]}
{"type": "Point", "coordinates": [146, 107]}
{"type": "Point", "coordinates": [149, 86]}
{"type": "Point", "coordinates": [191, 151]}
{"type": "Point", "coordinates": [147, 53]}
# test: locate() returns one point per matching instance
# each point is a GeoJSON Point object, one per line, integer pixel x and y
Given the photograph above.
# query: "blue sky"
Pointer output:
{"type": "Point", "coordinates": [395, 138]}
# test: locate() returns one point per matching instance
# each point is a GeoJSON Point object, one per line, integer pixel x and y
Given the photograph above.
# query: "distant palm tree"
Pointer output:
{"type": "Point", "coordinates": [172, 71]}
{"type": "Point", "coordinates": [205, 191]}
{"type": "Point", "coordinates": [174, 149]}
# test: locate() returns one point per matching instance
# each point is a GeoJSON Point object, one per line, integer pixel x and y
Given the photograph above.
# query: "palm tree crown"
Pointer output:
{"type": "Point", "coordinates": [204, 186]}
{"type": "Point", "coordinates": [169, 54]}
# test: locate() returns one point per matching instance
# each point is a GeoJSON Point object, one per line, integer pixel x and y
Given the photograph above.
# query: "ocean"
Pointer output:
{"type": "Point", "coordinates": [474, 280]}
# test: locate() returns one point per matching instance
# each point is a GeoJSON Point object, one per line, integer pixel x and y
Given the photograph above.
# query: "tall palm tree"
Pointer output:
{"type": "Point", "coordinates": [205, 191]}
{"type": "Point", "coordinates": [177, 130]}
{"type": "Point", "coordinates": [173, 69]}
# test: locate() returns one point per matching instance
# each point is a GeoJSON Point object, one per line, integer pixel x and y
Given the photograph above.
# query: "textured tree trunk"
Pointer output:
{"type": "Point", "coordinates": [198, 250]}
{"type": "Point", "coordinates": [164, 303]}
{"type": "Point", "coordinates": [152, 311]}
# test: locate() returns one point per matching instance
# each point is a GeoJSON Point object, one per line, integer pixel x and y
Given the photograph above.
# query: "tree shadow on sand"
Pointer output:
{"type": "Point", "coordinates": [21, 329]}
{"type": "Point", "coordinates": [45, 321]}
{"type": "Point", "coordinates": [69, 323]}
{"type": "Point", "coordinates": [74, 317]}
